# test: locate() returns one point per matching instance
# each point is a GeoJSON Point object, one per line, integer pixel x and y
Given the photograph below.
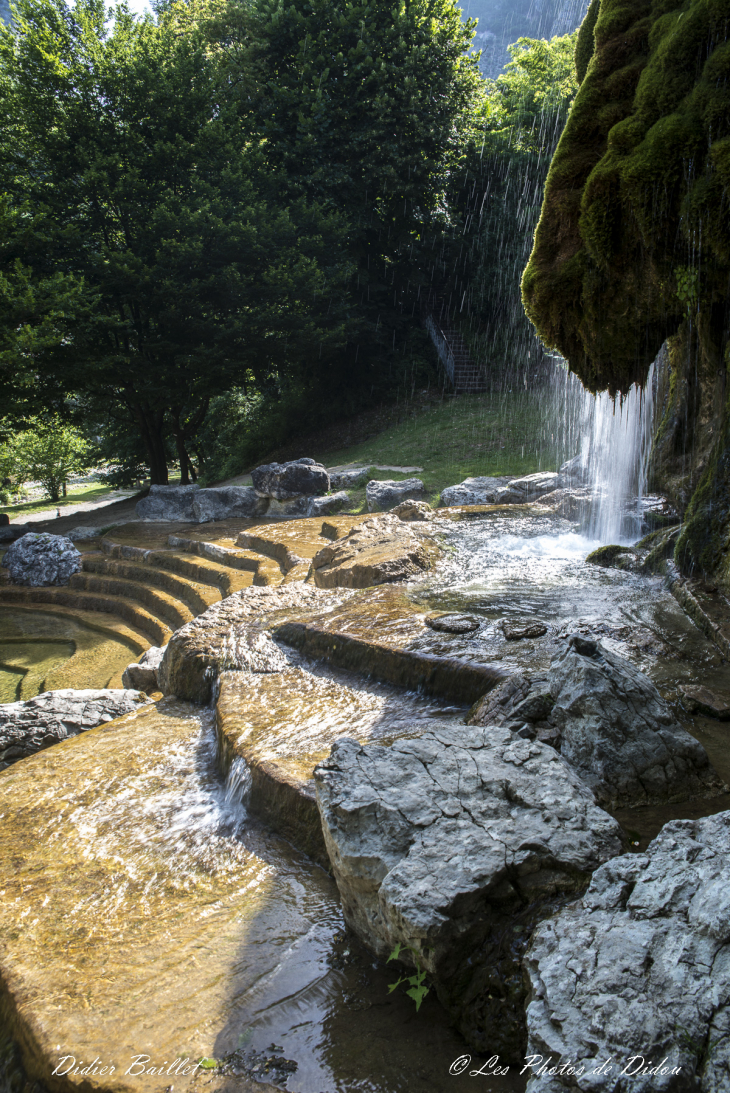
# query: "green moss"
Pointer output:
{"type": "Point", "coordinates": [636, 190]}
{"type": "Point", "coordinates": [585, 46]}
{"type": "Point", "coordinates": [613, 557]}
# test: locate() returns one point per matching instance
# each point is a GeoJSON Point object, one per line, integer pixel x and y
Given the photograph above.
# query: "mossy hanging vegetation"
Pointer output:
{"type": "Point", "coordinates": [634, 236]}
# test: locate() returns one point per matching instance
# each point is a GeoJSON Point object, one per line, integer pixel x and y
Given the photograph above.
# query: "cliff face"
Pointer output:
{"type": "Point", "coordinates": [633, 245]}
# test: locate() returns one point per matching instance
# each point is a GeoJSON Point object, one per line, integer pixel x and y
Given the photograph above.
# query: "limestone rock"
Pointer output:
{"type": "Point", "coordinates": [574, 471]}
{"type": "Point", "coordinates": [329, 505]}
{"type": "Point", "coordinates": [474, 491]}
{"type": "Point", "coordinates": [619, 734]}
{"type": "Point", "coordinates": [26, 727]}
{"type": "Point", "coordinates": [413, 510]}
{"type": "Point", "coordinates": [384, 494]}
{"type": "Point", "coordinates": [349, 479]}
{"type": "Point", "coordinates": [453, 844]}
{"type": "Point", "coordinates": [640, 967]}
{"type": "Point", "coordinates": [141, 675]}
{"type": "Point", "coordinates": [453, 624]}
{"type": "Point", "coordinates": [284, 481]}
{"type": "Point", "coordinates": [573, 504]}
{"type": "Point", "coordinates": [703, 700]}
{"type": "Point", "coordinates": [233, 635]}
{"type": "Point", "coordinates": [39, 558]}
{"type": "Point", "coordinates": [292, 506]}
{"type": "Point", "coordinates": [227, 503]}
{"type": "Point", "coordinates": [518, 629]}
{"type": "Point", "coordinates": [523, 704]}
{"type": "Point", "coordinates": [380, 550]}
{"type": "Point", "coordinates": [521, 491]}
{"type": "Point", "coordinates": [82, 534]}
{"type": "Point", "coordinates": [168, 503]}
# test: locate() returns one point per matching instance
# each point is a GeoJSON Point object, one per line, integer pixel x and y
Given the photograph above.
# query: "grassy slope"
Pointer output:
{"type": "Point", "coordinates": [471, 435]}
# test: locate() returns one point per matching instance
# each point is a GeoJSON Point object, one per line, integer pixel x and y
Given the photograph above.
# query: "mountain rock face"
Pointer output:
{"type": "Point", "coordinates": [633, 250]}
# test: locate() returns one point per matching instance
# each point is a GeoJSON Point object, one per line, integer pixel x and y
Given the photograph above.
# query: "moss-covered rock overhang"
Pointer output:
{"type": "Point", "coordinates": [634, 234]}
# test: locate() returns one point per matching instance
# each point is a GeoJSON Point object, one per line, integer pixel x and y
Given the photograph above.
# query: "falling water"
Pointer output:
{"type": "Point", "coordinates": [608, 441]}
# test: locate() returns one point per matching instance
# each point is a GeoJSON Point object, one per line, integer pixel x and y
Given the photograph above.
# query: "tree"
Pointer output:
{"type": "Point", "coordinates": [495, 201]}
{"type": "Point", "coordinates": [366, 108]}
{"type": "Point", "coordinates": [49, 453]}
{"type": "Point", "coordinates": [150, 269]}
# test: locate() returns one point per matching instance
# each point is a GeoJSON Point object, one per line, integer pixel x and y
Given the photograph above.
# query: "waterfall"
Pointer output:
{"type": "Point", "coordinates": [612, 439]}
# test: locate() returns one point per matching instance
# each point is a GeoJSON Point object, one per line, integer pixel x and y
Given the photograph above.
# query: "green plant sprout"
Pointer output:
{"type": "Point", "coordinates": [417, 989]}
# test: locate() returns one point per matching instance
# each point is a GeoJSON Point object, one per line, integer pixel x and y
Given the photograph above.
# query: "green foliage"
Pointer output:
{"type": "Point", "coordinates": [48, 452]}
{"type": "Point", "coordinates": [417, 989]}
{"type": "Point", "coordinates": [180, 275]}
{"type": "Point", "coordinates": [497, 203]}
{"type": "Point", "coordinates": [687, 286]}
{"type": "Point", "coordinates": [585, 45]}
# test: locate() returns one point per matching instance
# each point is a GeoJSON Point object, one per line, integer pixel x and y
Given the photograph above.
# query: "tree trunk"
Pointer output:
{"type": "Point", "coordinates": [151, 424]}
{"type": "Point", "coordinates": [183, 433]}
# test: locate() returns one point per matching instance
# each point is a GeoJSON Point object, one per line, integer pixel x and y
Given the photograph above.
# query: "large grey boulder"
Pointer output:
{"type": "Point", "coordinates": [26, 727]}
{"type": "Point", "coordinates": [349, 479]}
{"type": "Point", "coordinates": [40, 558]}
{"type": "Point", "coordinates": [453, 844]}
{"type": "Point", "coordinates": [83, 533]}
{"type": "Point", "coordinates": [381, 550]}
{"type": "Point", "coordinates": [228, 503]}
{"type": "Point", "coordinates": [619, 734]}
{"type": "Point", "coordinates": [630, 987]}
{"type": "Point", "coordinates": [286, 481]}
{"type": "Point", "coordinates": [168, 503]}
{"type": "Point", "coordinates": [474, 491]}
{"type": "Point", "coordinates": [521, 491]}
{"type": "Point", "coordinates": [385, 494]}
{"type": "Point", "coordinates": [141, 675]}
{"type": "Point", "coordinates": [329, 505]}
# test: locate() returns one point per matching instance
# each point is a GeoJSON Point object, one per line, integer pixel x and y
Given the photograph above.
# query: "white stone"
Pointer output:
{"type": "Point", "coordinates": [39, 558]}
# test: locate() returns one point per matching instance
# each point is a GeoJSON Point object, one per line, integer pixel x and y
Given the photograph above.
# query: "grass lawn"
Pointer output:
{"type": "Point", "coordinates": [75, 497]}
{"type": "Point", "coordinates": [490, 434]}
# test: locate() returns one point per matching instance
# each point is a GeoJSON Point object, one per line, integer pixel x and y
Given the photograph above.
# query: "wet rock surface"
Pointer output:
{"type": "Point", "coordinates": [473, 491]}
{"type": "Point", "coordinates": [516, 629]}
{"type": "Point", "coordinates": [698, 699]}
{"type": "Point", "coordinates": [141, 675]}
{"type": "Point", "coordinates": [381, 550]}
{"type": "Point", "coordinates": [640, 968]}
{"type": "Point", "coordinates": [169, 503]}
{"type": "Point", "coordinates": [619, 734]}
{"type": "Point", "coordinates": [522, 490]}
{"type": "Point", "coordinates": [232, 635]}
{"type": "Point", "coordinates": [384, 494]}
{"type": "Point", "coordinates": [286, 481]}
{"type": "Point", "coordinates": [227, 503]}
{"type": "Point", "coordinates": [453, 624]}
{"type": "Point", "coordinates": [522, 704]}
{"type": "Point", "coordinates": [413, 510]}
{"type": "Point", "coordinates": [39, 558]}
{"type": "Point", "coordinates": [27, 727]}
{"type": "Point", "coordinates": [454, 844]}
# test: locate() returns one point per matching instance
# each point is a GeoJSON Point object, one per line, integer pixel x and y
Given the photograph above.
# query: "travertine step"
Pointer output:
{"type": "Point", "coordinates": [255, 561]}
{"type": "Point", "coordinates": [159, 603]}
{"type": "Point", "coordinates": [194, 594]}
{"type": "Point", "coordinates": [133, 613]}
{"type": "Point", "coordinates": [195, 568]}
